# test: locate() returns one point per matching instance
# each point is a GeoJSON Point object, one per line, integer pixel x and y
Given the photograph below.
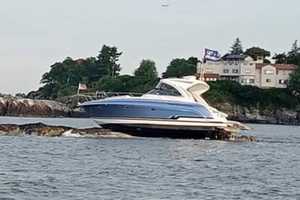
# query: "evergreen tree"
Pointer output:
{"type": "Point", "coordinates": [237, 48]}
{"type": "Point", "coordinates": [295, 49]}
{"type": "Point", "coordinates": [294, 54]}
{"type": "Point", "coordinates": [107, 63]}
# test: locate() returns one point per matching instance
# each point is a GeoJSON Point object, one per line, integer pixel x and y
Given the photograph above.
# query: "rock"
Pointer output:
{"type": "Point", "coordinates": [257, 115]}
{"type": "Point", "coordinates": [244, 138]}
{"type": "Point", "coordinates": [32, 108]}
{"type": "Point", "coordinates": [9, 129]}
{"type": "Point", "coordinates": [41, 129]}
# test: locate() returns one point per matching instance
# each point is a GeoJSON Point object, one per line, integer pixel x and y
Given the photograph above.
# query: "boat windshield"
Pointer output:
{"type": "Point", "coordinates": [165, 90]}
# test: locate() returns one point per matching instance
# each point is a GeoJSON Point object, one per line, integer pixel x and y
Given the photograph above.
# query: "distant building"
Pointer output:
{"type": "Point", "coordinates": [247, 71]}
{"type": "Point", "coordinates": [273, 75]}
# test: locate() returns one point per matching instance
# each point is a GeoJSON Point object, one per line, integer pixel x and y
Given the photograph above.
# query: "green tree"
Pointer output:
{"type": "Point", "coordinates": [256, 52]}
{"type": "Point", "coordinates": [294, 82]}
{"type": "Point", "coordinates": [107, 63]}
{"type": "Point", "coordinates": [280, 58]}
{"type": "Point", "coordinates": [180, 67]}
{"type": "Point", "coordinates": [110, 84]}
{"type": "Point", "coordinates": [63, 77]}
{"type": "Point", "coordinates": [294, 54]}
{"type": "Point", "coordinates": [237, 48]}
{"type": "Point", "coordinates": [295, 49]}
{"type": "Point", "coordinates": [146, 71]}
{"type": "Point", "coordinates": [193, 60]}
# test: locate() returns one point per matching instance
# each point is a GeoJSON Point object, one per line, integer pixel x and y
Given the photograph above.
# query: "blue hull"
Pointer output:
{"type": "Point", "coordinates": [143, 108]}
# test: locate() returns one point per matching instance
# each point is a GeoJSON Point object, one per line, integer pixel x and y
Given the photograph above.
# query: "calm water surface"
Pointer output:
{"type": "Point", "coordinates": [36, 168]}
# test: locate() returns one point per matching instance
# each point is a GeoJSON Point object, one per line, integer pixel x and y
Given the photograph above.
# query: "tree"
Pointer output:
{"type": "Point", "coordinates": [180, 67]}
{"type": "Point", "coordinates": [64, 77]}
{"type": "Point", "coordinates": [108, 61]}
{"type": "Point", "coordinates": [237, 48]}
{"type": "Point", "coordinates": [193, 60]}
{"type": "Point", "coordinates": [280, 58]}
{"type": "Point", "coordinates": [146, 70]}
{"type": "Point", "coordinates": [295, 49]}
{"type": "Point", "coordinates": [294, 55]}
{"type": "Point", "coordinates": [256, 52]}
{"type": "Point", "coordinates": [294, 82]}
{"type": "Point", "coordinates": [294, 58]}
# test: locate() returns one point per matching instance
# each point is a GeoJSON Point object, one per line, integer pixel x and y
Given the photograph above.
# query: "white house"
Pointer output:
{"type": "Point", "coordinates": [273, 75]}
{"type": "Point", "coordinates": [247, 71]}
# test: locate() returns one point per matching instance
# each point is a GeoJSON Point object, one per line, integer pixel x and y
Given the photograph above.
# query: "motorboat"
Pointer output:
{"type": "Point", "coordinates": [173, 109]}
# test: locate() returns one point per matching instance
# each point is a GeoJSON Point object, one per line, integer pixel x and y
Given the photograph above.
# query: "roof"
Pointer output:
{"type": "Point", "coordinates": [233, 57]}
{"type": "Point", "coordinates": [277, 66]}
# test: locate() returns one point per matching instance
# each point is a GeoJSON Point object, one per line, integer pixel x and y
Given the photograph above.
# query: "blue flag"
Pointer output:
{"type": "Point", "coordinates": [212, 55]}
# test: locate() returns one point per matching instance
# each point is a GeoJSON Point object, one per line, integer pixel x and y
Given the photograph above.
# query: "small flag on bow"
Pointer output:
{"type": "Point", "coordinates": [82, 86]}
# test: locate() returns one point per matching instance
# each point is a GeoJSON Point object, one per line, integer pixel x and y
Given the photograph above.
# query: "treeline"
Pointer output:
{"type": "Point", "coordinates": [102, 73]}
{"type": "Point", "coordinates": [250, 96]}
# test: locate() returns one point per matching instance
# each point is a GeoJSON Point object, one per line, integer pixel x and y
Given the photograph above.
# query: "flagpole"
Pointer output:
{"type": "Point", "coordinates": [78, 89]}
{"type": "Point", "coordinates": [202, 78]}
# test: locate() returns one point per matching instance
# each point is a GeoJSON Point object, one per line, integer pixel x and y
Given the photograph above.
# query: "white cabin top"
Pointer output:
{"type": "Point", "coordinates": [186, 88]}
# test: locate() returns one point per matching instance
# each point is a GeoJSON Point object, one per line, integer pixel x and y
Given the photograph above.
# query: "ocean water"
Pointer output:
{"type": "Point", "coordinates": [37, 168]}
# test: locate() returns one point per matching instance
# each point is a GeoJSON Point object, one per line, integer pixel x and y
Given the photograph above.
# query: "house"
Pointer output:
{"type": "Point", "coordinates": [238, 68]}
{"type": "Point", "coordinates": [273, 75]}
{"type": "Point", "coordinates": [247, 71]}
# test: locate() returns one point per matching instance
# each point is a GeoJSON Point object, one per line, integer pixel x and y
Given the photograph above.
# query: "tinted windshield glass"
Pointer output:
{"type": "Point", "coordinates": [166, 90]}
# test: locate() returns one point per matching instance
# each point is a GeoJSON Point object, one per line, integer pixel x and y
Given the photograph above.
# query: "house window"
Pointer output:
{"type": "Point", "coordinates": [251, 80]}
{"type": "Point", "coordinates": [268, 80]}
{"type": "Point", "coordinates": [226, 71]}
{"type": "Point", "coordinates": [269, 72]}
{"type": "Point", "coordinates": [235, 71]}
{"type": "Point", "coordinates": [283, 82]}
{"type": "Point", "coordinates": [247, 71]}
{"type": "Point", "coordinates": [244, 80]}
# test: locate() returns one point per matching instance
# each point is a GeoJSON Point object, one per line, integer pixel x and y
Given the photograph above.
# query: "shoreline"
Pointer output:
{"type": "Point", "coordinates": [28, 108]}
{"type": "Point", "coordinates": [47, 130]}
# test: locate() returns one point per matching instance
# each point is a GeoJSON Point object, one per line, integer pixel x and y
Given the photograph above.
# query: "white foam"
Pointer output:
{"type": "Point", "coordinates": [70, 134]}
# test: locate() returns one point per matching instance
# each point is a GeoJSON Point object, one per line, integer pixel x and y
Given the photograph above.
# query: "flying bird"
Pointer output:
{"type": "Point", "coordinates": [165, 3]}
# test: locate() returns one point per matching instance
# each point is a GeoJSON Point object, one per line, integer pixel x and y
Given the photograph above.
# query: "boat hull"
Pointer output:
{"type": "Point", "coordinates": [143, 108]}
{"type": "Point", "coordinates": [182, 129]}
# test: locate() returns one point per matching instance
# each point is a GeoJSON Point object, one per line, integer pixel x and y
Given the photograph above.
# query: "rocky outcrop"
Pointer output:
{"type": "Point", "coordinates": [259, 115]}
{"type": "Point", "coordinates": [34, 108]}
{"type": "Point", "coordinates": [40, 129]}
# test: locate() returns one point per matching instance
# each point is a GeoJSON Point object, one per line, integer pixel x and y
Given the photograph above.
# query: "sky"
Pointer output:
{"type": "Point", "coordinates": [35, 34]}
